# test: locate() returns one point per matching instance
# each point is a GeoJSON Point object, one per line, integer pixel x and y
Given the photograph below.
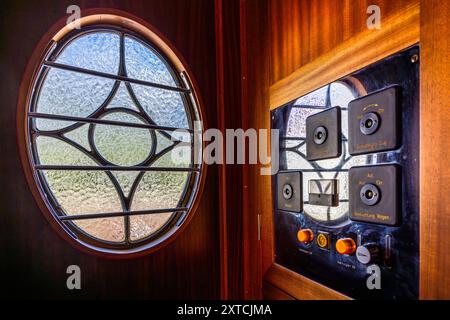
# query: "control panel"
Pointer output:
{"type": "Point", "coordinates": [346, 197]}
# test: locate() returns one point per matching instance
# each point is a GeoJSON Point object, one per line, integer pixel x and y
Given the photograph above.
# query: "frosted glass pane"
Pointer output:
{"type": "Point", "coordinates": [340, 95]}
{"type": "Point", "coordinates": [317, 98]}
{"type": "Point", "coordinates": [98, 51]}
{"type": "Point", "coordinates": [165, 107]}
{"type": "Point", "coordinates": [71, 94]}
{"type": "Point", "coordinates": [80, 136]}
{"type": "Point", "coordinates": [108, 229]}
{"type": "Point", "coordinates": [159, 190]}
{"type": "Point", "coordinates": [297, 121]}
{"type": "Point", "coordinates": [145, 225]}
{"type": "Point", "coordinates": [122, 99]}
{"type": "Point", "coordinates": [179, 157]}
{"type": "Point", "coordinates": [142, 63]}
{"type": "Point", "coordinates": [80, 192]}
{"type": "Point", "coordinates": [125, 179]}
{"type": "Point", "coordinates": [57, 152]}
{"type": "Point", "coordinates": [124, 146]}
{"type": "Point", "coordinates": [295, 161]}
{"type": "Point", "coordinates": [163, 142]}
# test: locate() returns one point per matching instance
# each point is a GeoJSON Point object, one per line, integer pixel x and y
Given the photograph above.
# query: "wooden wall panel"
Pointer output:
{"type": "Point", "coordinates": [33, 257]}
{"type": "Point", "coordinates": [435, 150]}
{"type": "Point", "coordinates": [230, 116]}
{"type": "Point", "coordinates": [257, 199]}
{"type": "Point", "coordinates": [302, 30]}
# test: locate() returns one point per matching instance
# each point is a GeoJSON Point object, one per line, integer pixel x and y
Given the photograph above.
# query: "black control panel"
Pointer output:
{"type": "Point", "coordinates": [346, 197]}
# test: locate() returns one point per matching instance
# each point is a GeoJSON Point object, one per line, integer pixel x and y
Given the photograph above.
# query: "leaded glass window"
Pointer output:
{"type": "Point", "coordinates": [105, 144]}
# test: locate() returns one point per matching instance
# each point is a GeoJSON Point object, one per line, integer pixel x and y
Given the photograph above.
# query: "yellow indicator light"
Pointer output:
{"type": "Point", "coordinates": [322, 241]}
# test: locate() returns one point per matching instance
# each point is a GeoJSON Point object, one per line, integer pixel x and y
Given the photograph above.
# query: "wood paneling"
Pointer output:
{"type": "Point", "coordinates": [434, 150]}
{"type": "Point", "coordinates": [399, 31]}
{"type": "Point", "coordinates": [257, 200]}
{"type": "Point", "coordinates": [299, 286]}
{"type": "Point", "coordinates": [34, 258]}
{"type": "Point", "coordinates": [230, 116]}
{"type": "Point", "coordinates": [303, 30]}
{"type": "Point", "coordinates": [273, 293]}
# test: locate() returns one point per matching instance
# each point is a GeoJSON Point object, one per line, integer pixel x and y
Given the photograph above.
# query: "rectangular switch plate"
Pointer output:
{"type": "Point", "coordinates": [292, 181]}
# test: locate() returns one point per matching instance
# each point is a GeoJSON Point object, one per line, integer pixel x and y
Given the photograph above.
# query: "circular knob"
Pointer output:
{"type": "Point", "coordinates": [287, 191]}
{"type": "Point", "coordinates": [368, 253]}
{"type": "Point", "coordinates": [369, 123]}
{"type": "Point", "coordinates": [320, 135]}
{"type": "Point", "coordinates": [370, 194]}
{"type": "Point", "coordinates": [305, 235]}
{"type": "Point", "coordinates": [346, 246]}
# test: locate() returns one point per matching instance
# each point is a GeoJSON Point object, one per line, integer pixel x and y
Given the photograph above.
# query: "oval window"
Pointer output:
{"type": "Point", "coordinates": [110, 125]}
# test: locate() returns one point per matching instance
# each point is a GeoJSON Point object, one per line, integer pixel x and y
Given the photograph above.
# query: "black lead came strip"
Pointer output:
{"type": "Point", "coordinates": [114, 77]}
{"type": "Point", "coordinates": [112, 168]}
{"type": "Point", "coordinates": [106, 122]}
{"type": "Point", "coordinates": [119, 214]}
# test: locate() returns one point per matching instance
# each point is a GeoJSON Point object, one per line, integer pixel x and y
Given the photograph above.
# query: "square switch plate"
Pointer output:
{"type": "Point", "coordinates": [323, 135]}
{"type": "Point", "coordinates": [289, 191]}
{"type": "Point", "coordinates": [375, 194]}
{"type": "Point", "coordinates": [374, 122]}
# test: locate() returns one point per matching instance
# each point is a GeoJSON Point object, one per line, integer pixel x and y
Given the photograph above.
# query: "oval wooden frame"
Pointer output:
{"type": "Point", "coordinates": [58, 31]}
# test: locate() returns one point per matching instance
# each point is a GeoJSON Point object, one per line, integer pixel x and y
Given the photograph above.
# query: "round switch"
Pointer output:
{"type": "Point", "coordinates": [369, 123]}
{"type": "Point", "coordinates": [370, 194]}
{"type": "Point", "coordinates": [287, 191]}
{"type": "Point", "coordinates": [346, 246]}
{"type": "Point", "coordinates": [305, 235]}
{"type": "Point", "coordinates": [320, 135]}
{"type": "Point", "coordinates": [368, 253]}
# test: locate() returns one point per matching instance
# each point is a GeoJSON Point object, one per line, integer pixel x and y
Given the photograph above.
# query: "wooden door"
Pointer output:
{"type": "Point", "coordinates": [34, 257]}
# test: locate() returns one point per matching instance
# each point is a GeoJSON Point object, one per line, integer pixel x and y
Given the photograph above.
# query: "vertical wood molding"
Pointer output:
{"type": "Point", "coordinates": [222, 185]}
{"type": "Point", "coordinates": [434, 150]}
{"type": "Point", "coordinates": [257, 192]}
{"type": "Point", "coordinates": [230, 116]}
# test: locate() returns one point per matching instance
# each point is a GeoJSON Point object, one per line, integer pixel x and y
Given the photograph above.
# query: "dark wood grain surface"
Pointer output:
{"type": "Point", "coordinates": [33, 257]}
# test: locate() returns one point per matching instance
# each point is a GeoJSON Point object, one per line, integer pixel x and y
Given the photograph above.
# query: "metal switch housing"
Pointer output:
{"type": "Point", "coordinates": [374, 122]}
{"type": "Point", "coordinates": [375, 195]}
{"type": "Point", "coordinates": [290, 191]}
{"type": "Point", "coordinates": [323, 135]}
{"type": "Point", "coordinates": [324, 192]}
